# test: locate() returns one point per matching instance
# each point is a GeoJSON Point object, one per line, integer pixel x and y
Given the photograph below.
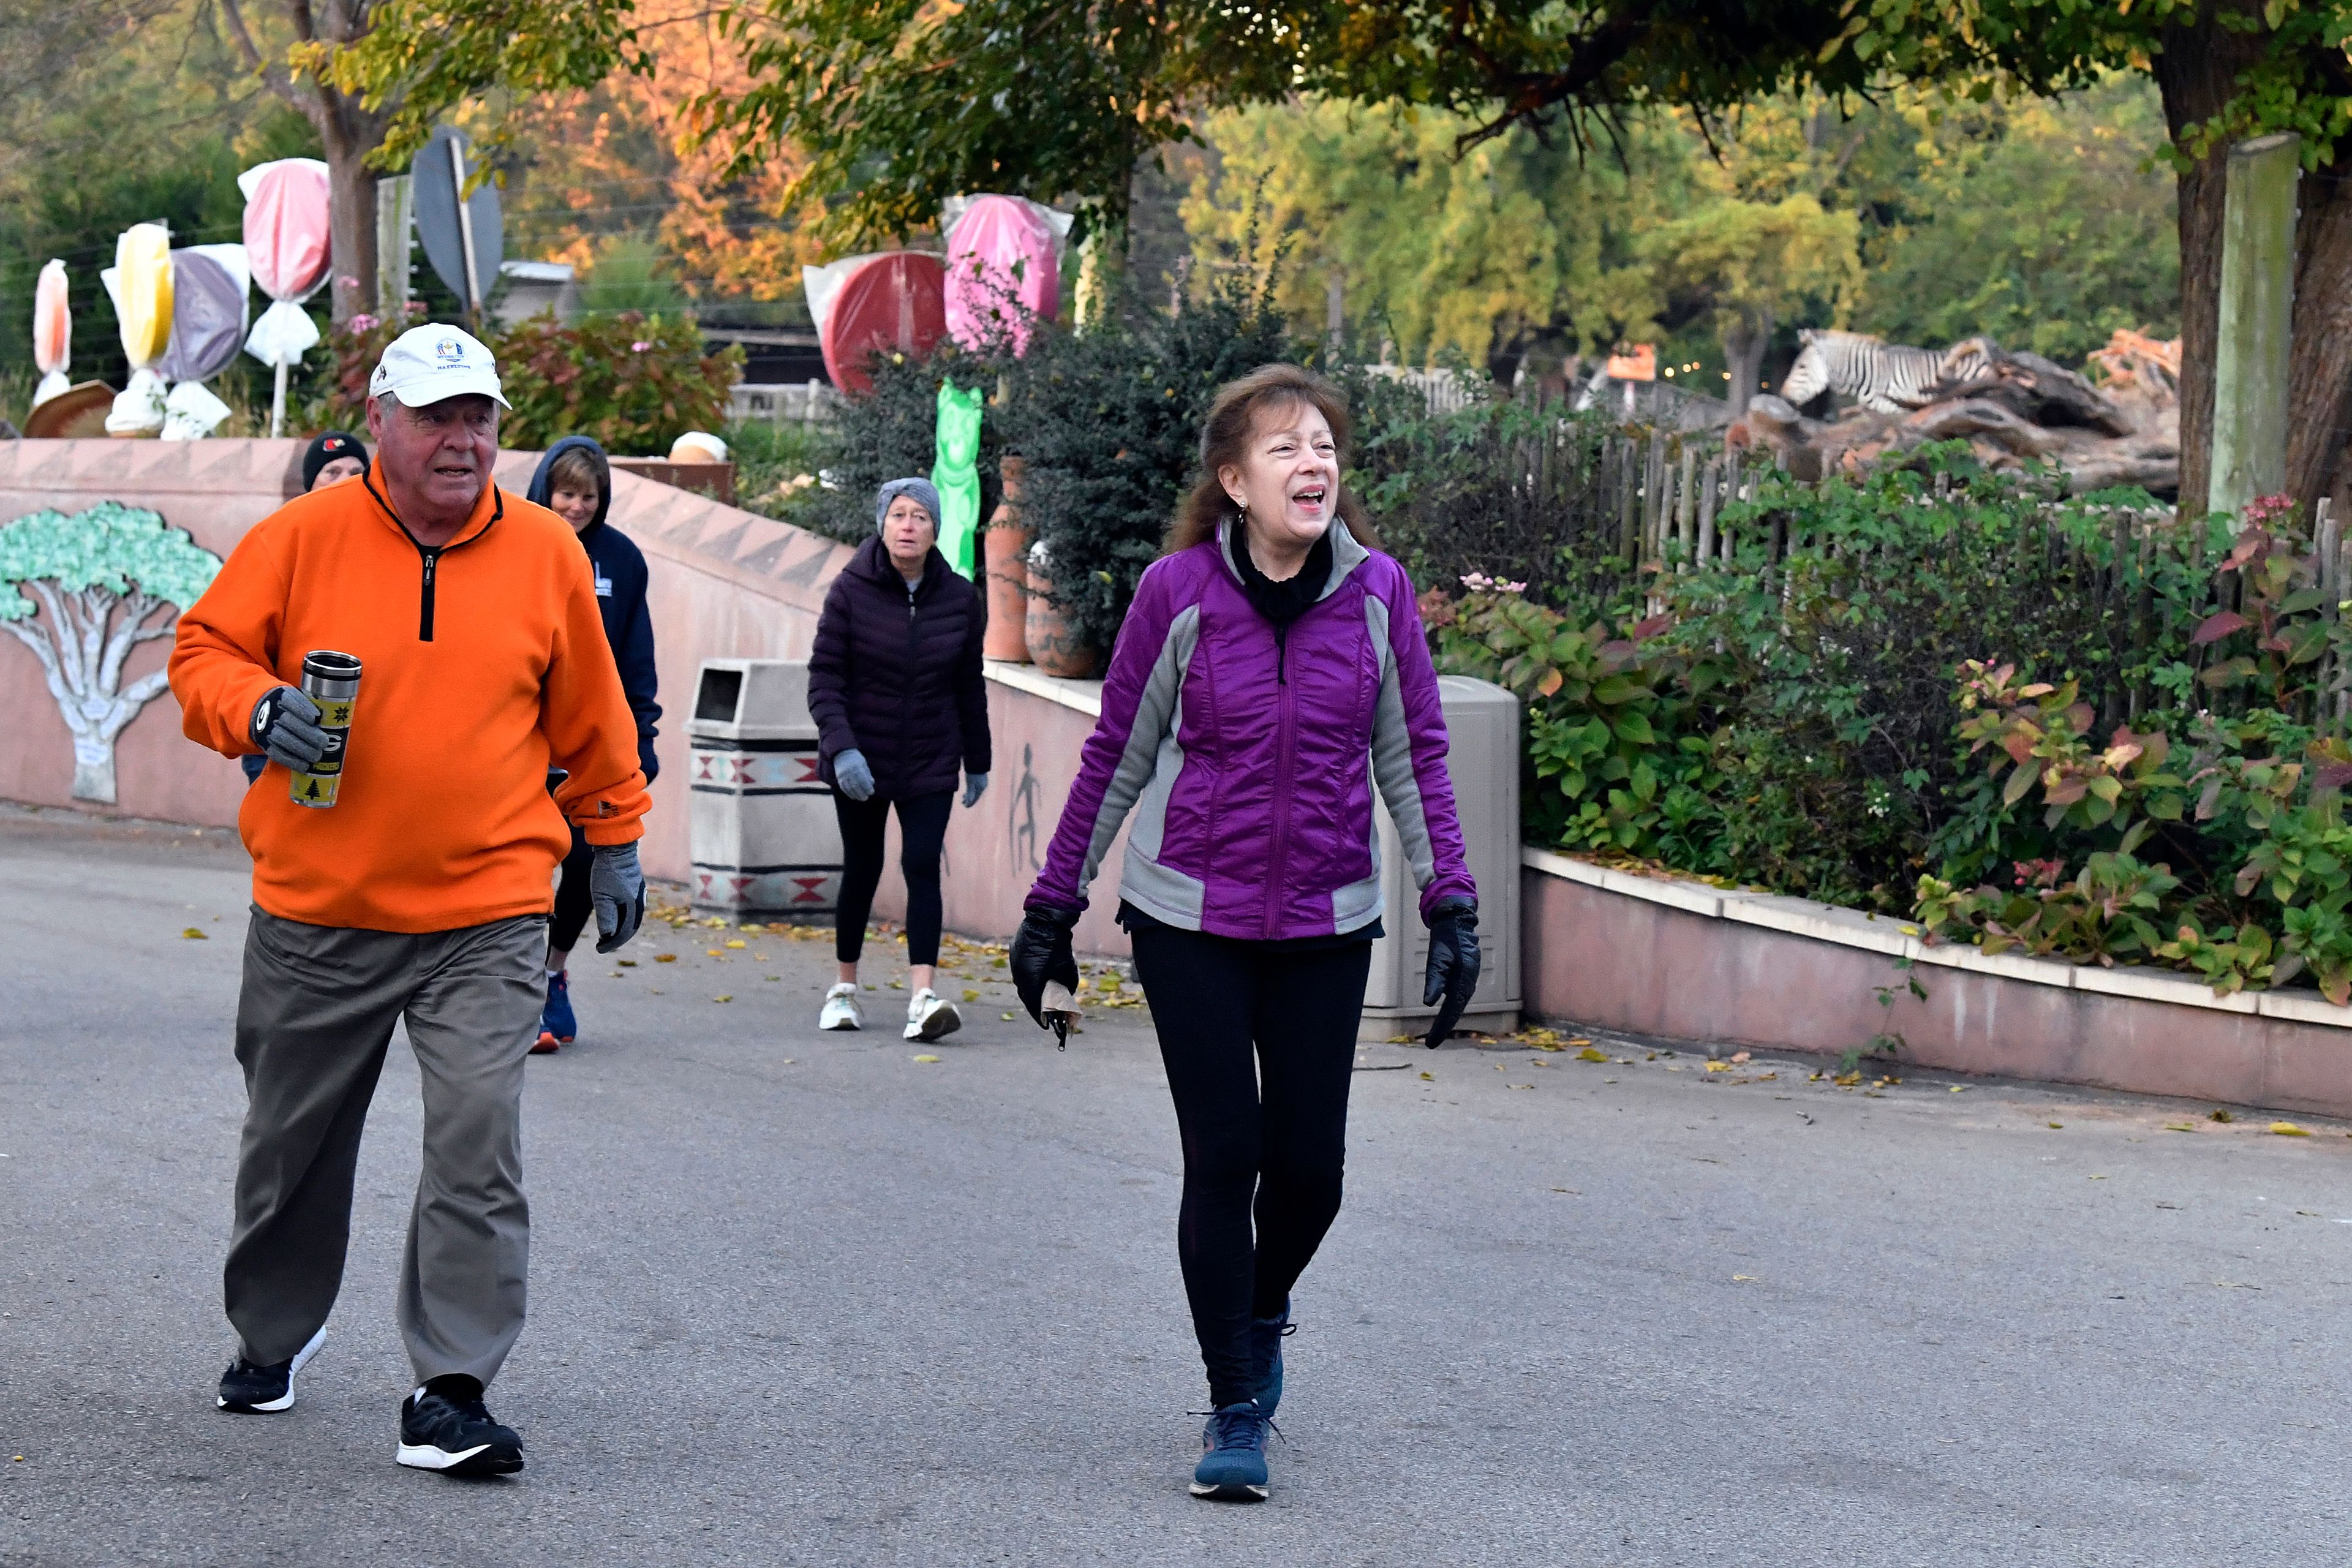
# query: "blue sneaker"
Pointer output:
{"type": "Point", "coordinates": [1232, 1465]}
{"type": "Point", "coordinates": [556, 1025]}
{"type": "Point", "coordinates": [1265, 1337]}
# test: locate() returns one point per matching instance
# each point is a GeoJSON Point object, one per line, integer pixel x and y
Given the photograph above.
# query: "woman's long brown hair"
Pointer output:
{"type": "Point", "coordinates": [1225, 441]}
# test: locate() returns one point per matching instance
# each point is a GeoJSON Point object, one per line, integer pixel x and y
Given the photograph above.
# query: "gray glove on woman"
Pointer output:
{"type": "Point", "coordinates": [850, 773]}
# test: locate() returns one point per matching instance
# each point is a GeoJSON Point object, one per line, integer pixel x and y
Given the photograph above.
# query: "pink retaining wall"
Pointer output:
{"type": "Point", "coordinates": [1604, 959]}
{"type": "Point", "coordinates": [723, 582]}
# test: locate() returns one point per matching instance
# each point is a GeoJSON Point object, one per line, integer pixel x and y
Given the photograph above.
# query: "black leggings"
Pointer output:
{"type": "Point", "coordinates": [922, 828]}
{"type": "Point", "coordinates": [573, 902]}
{"type": "Point", "coordinates": [1259, 1042]}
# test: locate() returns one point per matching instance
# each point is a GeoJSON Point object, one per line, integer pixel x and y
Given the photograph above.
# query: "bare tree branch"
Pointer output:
{"type": "Point", "coordinates": [272, 74]}
{"type": "Point", "coordinates": [68, 650]}
{"type": "Point", "coordinates": [135, 609]}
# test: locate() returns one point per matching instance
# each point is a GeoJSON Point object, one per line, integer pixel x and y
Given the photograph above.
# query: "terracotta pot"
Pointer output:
{"type": "Point", "coordinates": [1005, 556]}
{"type": "Point", "coordinates": [1052, 647]}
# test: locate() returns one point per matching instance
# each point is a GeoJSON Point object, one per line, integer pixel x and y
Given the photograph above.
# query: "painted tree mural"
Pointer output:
{"type": "Point", "coordinates": [87, 589]}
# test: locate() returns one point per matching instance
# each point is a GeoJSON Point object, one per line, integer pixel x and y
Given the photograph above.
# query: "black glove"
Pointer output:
{"type": "Point", "coordinates": [1453, 964]}
{"type": "Point", "coordinates": [1041, 951]}
{"type": "Point", "coordinates": [284, 724]}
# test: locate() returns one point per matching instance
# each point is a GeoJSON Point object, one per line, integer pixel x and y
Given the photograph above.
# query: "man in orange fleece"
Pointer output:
{"type": "Point", "coordinates": [421, 894]}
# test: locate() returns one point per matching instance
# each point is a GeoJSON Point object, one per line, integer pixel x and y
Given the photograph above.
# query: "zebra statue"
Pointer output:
{"type": "Point", "coordinates": [1886, 378]}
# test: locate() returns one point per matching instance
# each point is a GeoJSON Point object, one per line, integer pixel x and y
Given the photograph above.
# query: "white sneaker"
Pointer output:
{"type": "Point", "coordinates": [929, 1017]}
{"type": "Point", "coordinates": [841, 1008]}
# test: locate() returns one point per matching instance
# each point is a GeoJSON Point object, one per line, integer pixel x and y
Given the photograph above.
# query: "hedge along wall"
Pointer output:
{"type": "Point", "coordinates": [723, 584]}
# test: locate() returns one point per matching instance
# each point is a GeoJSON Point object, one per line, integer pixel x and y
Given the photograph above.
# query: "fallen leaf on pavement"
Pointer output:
{"type": "Point", "coordinates": [193, 934]}
{"type": "Point", "coordinates": [737, 942]}
{"type": "Point", "coordinates": [1738, 1057]}
{"type": "Point", "coordinates": [2057, 1124]}
{"type": "Point", "coordinates": [627, 963]}
{"type": "Point", "coordinates": [926, 1059]}
{"type": "Point", "coordinates": [1008, 1017]}
{"type": "Point", "coordinates": [1588, 1055]}
{"type": "Point", "coordinates": [727, 998]}
{"type": "Point", "coordinates": [1429, 1078]}
{"type": "Point", "coordinates": [1718, 1067]}
{"type": "Point", "coordinates": [1743, 1279]}
{"type": "Point", "coordinates": [665, 958]}
{"type": "Point", "coordinates": [2181, 1127]}
{"type": "Point", "coordinates": [2220, 1116]}
{"type": "Point", "coordinates": [714, 953]}
{"type": "Point", "coordinates": [969, 995]}
{"type": "Point", "coordinates": [2289, 1129]}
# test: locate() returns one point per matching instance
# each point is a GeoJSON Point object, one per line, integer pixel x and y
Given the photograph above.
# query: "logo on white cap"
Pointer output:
{"type": "Point", "coordinates": [426, 364]}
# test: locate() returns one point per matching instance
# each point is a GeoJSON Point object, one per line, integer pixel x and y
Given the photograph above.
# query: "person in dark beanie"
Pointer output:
{"type": "Point", "coordinates": [333, 457]}
{"type": "Point", "coordinates": [895, 687]}
{"type": "Point", "coordinates": [329, 460]}
{"type": "Point", "coordinates": [574, 480]}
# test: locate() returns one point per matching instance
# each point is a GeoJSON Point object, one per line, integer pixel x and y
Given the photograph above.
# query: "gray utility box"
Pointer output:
{"type": "Point", "coordinates": [760, 829]}
{"type": "Point", "coordinates": [1481, 724]}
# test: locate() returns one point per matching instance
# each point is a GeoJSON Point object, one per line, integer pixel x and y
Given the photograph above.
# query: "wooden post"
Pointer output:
{"type": "Point", "coordinates": [1627, 522]}
{"type": "Point", "coordinates": [2249, 365]}
{"type": "Point", "coordinates": [395, 237]}
{"type": "Point", "coordinates": [1707, 511]}
{"type": "Point", "coordinates": [1687, 503]}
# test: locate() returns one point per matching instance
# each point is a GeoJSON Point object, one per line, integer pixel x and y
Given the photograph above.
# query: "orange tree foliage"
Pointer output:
{"type": "Point", "coordinates": [617, 159]}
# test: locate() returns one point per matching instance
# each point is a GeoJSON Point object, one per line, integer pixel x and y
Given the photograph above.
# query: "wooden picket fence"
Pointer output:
{"type": "Point", "coordinates": [1646, 506]}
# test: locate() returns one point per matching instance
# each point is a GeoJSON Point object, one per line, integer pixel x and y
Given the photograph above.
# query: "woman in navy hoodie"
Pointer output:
{"type": "Point", "coordinates": [575, 483]}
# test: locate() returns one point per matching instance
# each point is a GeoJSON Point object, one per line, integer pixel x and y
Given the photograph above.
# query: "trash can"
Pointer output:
{"type": "Point", "coordinates": [760, 829]}
{"type": "Point", "coordinates": [1482, 725]}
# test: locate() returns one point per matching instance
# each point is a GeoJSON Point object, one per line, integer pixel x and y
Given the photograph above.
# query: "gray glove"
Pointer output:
{"type": "Point", "coordinates": [974, 786]}
{"type": "Point", "coordinates": [618, 888]}
{"type": "Point", "coordinates": [850, 773]}
{"type": "Point", "coordinates": [285, 725]}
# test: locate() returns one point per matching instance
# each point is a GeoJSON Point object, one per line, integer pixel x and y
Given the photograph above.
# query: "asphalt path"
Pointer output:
{"type": "Point", "coordinates": [804, 1299]}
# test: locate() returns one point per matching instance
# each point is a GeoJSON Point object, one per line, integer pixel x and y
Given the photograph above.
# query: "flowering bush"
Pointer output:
{"type": "Point", "coordinates": [634, 382]}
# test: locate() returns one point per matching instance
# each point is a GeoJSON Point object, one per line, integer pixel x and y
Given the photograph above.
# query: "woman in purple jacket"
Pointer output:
{"type": "Point", "coordinates": [1271, 670]}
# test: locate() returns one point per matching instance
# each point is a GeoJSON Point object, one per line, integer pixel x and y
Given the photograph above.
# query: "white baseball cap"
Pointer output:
{"type": "Point", "coordinates": [425, 364]}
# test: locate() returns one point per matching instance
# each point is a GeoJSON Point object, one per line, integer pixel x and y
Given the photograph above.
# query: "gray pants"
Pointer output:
{"type": "Point", "coordinates": [313, 1022]}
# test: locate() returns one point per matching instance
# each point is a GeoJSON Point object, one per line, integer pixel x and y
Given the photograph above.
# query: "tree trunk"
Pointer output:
{"type": "Point", "coordinates": [1745, 339]}
{"type": "Point", "coordinates": [2319, 357]}
{"type": "Point", "coordinates": [2198, 72]}
{"type": "Point", "coordinates": [352, 226]}
{"type": "Point", "coordinates": [93, 777]}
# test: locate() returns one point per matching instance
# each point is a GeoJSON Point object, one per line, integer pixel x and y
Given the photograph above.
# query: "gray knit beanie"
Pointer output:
{"type": "Point", "coordinates": [923, 492]}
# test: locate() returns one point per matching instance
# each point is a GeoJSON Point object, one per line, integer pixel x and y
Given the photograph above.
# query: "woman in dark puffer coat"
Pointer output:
{"type": "Point", "coordinates": [895, 689]}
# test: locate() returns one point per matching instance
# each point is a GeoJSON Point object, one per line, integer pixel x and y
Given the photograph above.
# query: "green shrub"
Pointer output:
{"type": "Point", "coordinates": [1107, 424]}
{"type": "Point", "coordinates": [892, 432]}
{"type": "Point", "coordinates": [634, 382]}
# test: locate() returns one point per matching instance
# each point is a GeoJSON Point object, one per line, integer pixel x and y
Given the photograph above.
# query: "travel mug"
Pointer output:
{"type": "Point", "coordinates": [331, 680]}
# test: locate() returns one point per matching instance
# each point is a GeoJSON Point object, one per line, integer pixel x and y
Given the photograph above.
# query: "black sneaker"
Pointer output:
{"type": "Point", "coordinates": [248, 1389]}
{"type": "Point", "coordinates": [455, 1435]}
